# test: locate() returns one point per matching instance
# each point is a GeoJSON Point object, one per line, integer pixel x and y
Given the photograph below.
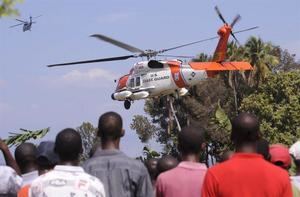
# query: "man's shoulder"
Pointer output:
{"type": "Point", "coordinates": [169, 175]}
{"type": "Point", "coordinates": [121, 161]}
{"type": "Point", "coordinates": [260, 165]}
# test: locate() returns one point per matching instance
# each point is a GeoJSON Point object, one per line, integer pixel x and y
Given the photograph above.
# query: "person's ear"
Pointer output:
{"type": "Point", "coordinates": [122, 132]}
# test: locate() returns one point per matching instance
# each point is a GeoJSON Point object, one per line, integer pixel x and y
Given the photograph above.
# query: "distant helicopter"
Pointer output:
{"type": "Point", "coordinates": [26, 24]}
{"type": "Point", "coordinates": [155, 78]}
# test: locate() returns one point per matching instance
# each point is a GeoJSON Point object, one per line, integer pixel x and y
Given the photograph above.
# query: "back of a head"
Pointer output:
{"type": "Point", "coordinates": [25, 155]}
{"type": "Point", "coordinates": [46, 157]}
{"type": "Point", "coordinates": [191, 139]}
{"type": "Point", "coordinates": [262, 147]}
{"type": "Point", "coordinates": [151, 165]}
{"type": "Point", "coordinates": [110, 126]}
{"type": "Point", "coordinates": [245, 129]}
{"type": "Point", "coordinates": [68, 145]}
{"type": "Point", "coordinates": [167, 162]}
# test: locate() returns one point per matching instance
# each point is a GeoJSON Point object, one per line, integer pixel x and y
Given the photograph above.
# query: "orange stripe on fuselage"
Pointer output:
{"type": "Point", "coordinates": [176, 75]}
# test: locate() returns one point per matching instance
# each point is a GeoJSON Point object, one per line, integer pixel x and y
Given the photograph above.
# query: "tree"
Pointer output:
{"type": "Point", "coordinates": [144, 128]}
{"type": "Point", "coordinates": [287, 61]}
{"type": "Point", "coordinates": [89, 138]}
{"type": "Point", "coordinates": [260, 55]}
{"type": "Point", "coordinates": [277, 104]}
{"type": "Point", "coordinates": [7, 8]}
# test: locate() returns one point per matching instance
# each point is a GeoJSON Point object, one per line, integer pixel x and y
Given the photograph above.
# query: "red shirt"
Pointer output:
{"type": "Point", "coordinates": [185, 180]}
{"type": "Point", "coordinates": [245, 175]}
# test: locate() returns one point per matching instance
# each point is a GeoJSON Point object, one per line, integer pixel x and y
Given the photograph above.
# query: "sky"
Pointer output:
{"type": "Point", "coordinates": [33, 96]}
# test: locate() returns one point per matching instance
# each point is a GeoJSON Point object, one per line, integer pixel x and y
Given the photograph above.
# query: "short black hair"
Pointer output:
{"type": "Point", "coordinates": [166, 162]}
{"type": "Point", "coordinates": [151, 165]}
{"type": "Point", "coordinates": [110, 126]}
{"type": "Point", "coordinates": [245, 129]}
{"type": "Point", "coordinates": [190, 139]}
{"type": "Point", "coordinates": [25, 154]}
{"type": "Point", "coordinates": [68, 145]}
{"type": "Point", "coordinates": [263, 148]}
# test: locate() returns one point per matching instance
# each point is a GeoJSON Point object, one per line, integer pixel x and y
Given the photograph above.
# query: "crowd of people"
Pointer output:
{"type": "Point", "coordinates": [53, 168]}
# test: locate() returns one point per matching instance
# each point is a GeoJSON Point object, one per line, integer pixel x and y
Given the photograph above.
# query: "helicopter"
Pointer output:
{"type": "Point", "coordinates": [26, 24]}
{"type": "Point", "coordinates": [155, 78]}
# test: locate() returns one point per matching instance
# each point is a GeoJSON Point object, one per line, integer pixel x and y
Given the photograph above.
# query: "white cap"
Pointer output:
{"type": "Point", "coordinates": [295, 150]}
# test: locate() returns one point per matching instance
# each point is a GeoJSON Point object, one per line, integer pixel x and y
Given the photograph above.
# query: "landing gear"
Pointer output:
{"type": "Point", "coordinates": [127, 104]}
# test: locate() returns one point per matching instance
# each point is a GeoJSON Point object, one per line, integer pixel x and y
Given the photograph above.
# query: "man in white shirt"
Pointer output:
{"type": "Point", "coordinates": [67, 178]}
{"type": "Point", "coordinates": [10, 182]}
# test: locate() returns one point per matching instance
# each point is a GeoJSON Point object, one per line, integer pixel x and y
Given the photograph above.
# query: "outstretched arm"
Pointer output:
{"type": "Point", "coordinates": [10, 161]}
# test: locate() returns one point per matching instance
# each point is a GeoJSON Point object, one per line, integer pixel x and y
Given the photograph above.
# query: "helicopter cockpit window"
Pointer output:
{"type": "Point", "coordinates": [138, 81]}
{"type": "Point", "coordinates": [131, 82]}
{"type": "Point", "coordinates": [155, 64]}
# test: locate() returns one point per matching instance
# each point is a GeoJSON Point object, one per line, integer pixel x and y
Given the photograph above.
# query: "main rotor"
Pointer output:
{"type": "Point", "coordinates": [150, 53]}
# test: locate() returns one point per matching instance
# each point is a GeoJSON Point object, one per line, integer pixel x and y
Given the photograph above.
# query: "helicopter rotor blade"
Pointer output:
{"type": "Point", "coordinates": [95, 60]}
{"type": "Point", "coordinates": [235, 20]}
{"type": "Point", "coordinates": [118, 43]}
{"type": "Point", "coordinates": [220, 15]}
{"type": "Point", "coordinates": [243, 30]}
{"type": "Point", "coordinates": [179, 56]}
{"type": "Point", "coordinates": [21, 21]}
{"type": "Point", "coordinates": [16, 25]}
{"type": "Point", "coordinates": [191, 43]}
{"type": "Point", "coordinates": [237, 41]}
{"type": "Point", "coordinates": [37, 16]}
{"type": "Point", "coordinates": [204, 40]}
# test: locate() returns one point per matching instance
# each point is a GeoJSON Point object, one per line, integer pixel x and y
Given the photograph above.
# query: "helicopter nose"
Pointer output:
{"type": "Point", "coordinates": [113, 97]}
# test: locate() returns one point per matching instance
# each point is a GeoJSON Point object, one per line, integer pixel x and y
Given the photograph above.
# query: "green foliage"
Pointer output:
{"type": "Point", "coordinates": [7, 7]}
{"type": "Point", "coordinates": [89, 138]}
{"type": "Point", "coordinates": [277, 104]}
{"type": "Point", "coordinates": [143, 127]}
{"type": "Point", "coordinates": [260, 55]}
{"type": "Point", "coordinates": [19, 138]}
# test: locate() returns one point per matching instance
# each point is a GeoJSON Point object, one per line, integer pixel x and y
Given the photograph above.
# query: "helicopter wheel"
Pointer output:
{"type": "Point", "coordinates": [127, 104]}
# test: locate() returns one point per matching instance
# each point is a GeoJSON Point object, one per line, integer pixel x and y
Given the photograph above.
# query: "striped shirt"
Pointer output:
{"type": "Point", "coordinates": [121, 176]}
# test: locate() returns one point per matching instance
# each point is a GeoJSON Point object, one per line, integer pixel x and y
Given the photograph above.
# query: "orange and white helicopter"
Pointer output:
{"type": "Point", "coordinates": [155, 78]}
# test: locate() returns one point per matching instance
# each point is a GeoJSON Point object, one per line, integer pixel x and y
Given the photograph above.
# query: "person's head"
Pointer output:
{"type": "Point", "coordinates": [68, 145]}
{"type": "Point", "coordinates": [226, 155]}
{"type": "Point", "coordinates": [46, 157]}
{"type": "Point", "coordinates": [110, 127]}
{"type": "Point", "coordinates": [262, 147]}
{"type": "Point", "coordinates": [191, 140]}
{"type": "Point", "coordinates": [151, 165]}
{"type": "Point", "coordinates": [280, 156]}
{"type": "Point", "coordinates": [245, 130]}
{"type": "Point", "coordinates": [165, 163]}
{"type": "Point", "coordinates": [295, 152]}
{"type": "Point", "coordinates": [25, 155]}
